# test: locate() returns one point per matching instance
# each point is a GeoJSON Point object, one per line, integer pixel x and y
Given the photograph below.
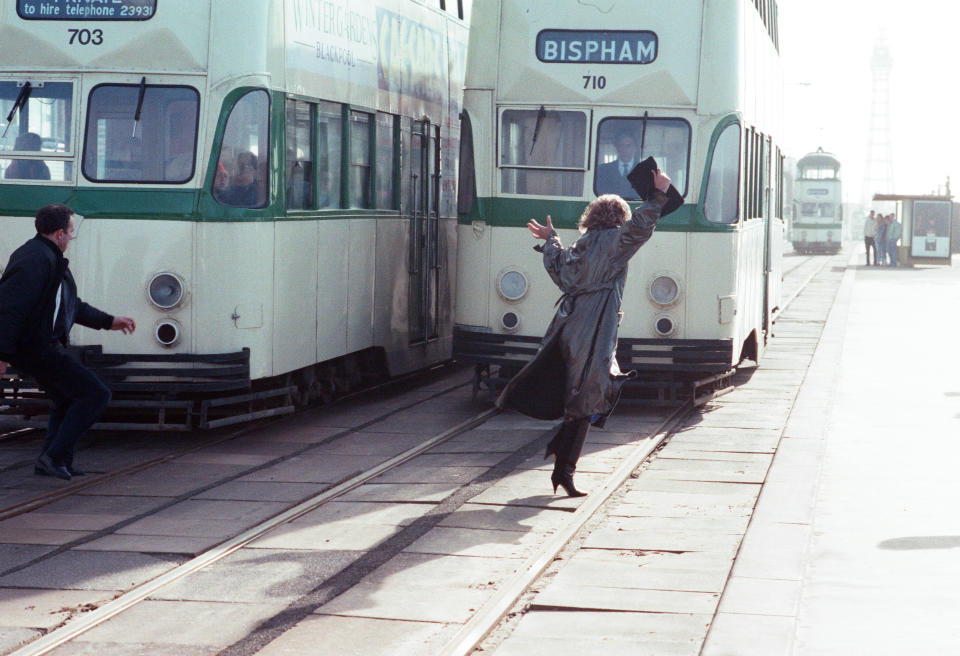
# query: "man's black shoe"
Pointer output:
{"type": "Point", "coordinates": [73, 471]}
{"type": "Point", "coordinates": [48, 468]}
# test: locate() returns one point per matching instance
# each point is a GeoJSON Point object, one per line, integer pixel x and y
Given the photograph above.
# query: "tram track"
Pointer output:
{"type": "Point", "coordinates": [487, 616]}
{"type": "Point", "coordinates": [89, 481]}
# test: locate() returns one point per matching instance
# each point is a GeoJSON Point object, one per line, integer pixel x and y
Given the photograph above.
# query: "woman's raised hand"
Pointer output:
{"type": "Point", "coordinates": [540, 231]}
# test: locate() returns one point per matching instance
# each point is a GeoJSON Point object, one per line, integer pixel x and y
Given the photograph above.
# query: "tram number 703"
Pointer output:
{"type": "Point", "coordinates": [594, 81]}
{"type": "Point", "coordinates": [86, 37]}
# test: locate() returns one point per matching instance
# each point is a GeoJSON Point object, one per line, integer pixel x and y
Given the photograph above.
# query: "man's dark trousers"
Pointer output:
{"type": "Point", "coordinates": [79, 398]}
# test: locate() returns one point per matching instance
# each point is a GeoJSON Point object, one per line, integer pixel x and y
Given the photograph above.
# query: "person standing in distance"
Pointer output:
{"type": "Point", "coordinates": [869, 235]}
{"type": "Point", "coordinates": [38, 307]}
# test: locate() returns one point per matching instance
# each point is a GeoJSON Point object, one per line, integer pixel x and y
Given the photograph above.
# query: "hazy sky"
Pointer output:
{"type": "Point", "coordinates": [826, 47]}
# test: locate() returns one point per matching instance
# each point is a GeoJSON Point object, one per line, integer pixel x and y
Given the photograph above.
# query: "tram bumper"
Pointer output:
{"type": "Point", "coordinates": [644, 355]}
{"type": "Point", "coordinates": [161, 392]}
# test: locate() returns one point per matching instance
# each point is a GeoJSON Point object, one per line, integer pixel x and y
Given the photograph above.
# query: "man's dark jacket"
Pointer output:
{"type": "Point", "coordinates": [28, 292]}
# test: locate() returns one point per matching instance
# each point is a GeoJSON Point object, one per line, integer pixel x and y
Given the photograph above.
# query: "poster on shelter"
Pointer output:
{"type": "Point", "coordinates": [931, 228]}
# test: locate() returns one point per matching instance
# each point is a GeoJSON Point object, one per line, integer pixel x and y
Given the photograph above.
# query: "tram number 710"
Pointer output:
{"type": "Point", "coordinates": [86, 37]}
{"type": "Point", "coordinates": [594, 81]}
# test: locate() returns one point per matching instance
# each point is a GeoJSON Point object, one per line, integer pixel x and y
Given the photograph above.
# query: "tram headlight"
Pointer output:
{"type": "Point", "coordinates": [167, 332]}
{"type": "Point", "coordinates": [512, 285]}
{"type": "Point", "coordinates": [664, 290]}
{"type": "Point", "coordinates": [165, 290]}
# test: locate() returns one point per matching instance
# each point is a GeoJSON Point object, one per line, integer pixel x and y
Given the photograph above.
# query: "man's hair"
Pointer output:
{"type": "Point", "coordinates": [606, 211]}
{"type": "Point", "coordinates": [51, 218]}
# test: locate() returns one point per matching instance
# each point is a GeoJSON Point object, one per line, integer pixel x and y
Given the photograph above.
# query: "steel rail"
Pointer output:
{"type": "Point", "coordinates": [132, 597]}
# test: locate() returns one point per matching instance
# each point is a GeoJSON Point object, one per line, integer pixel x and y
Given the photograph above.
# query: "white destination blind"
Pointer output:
{"type": "Point", "coordinates": [597, 46]}
{"type": "Point", "coordinates": [71, 10]}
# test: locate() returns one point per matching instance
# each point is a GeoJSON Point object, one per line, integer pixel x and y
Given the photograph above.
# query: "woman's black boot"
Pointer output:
{"type": "Point", "coordinates": [563, 477]}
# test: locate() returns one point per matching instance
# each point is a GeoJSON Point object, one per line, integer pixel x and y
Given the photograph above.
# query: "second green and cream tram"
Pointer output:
{"type": "Point", "coordinates": [558, 106]}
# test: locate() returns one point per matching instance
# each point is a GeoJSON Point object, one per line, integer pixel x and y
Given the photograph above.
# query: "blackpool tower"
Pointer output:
{"type": "Point", "coordinates": [878, 176]}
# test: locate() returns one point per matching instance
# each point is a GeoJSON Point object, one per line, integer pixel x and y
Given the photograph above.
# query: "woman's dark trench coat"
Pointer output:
{"type": "Point", "coordinates": [574, 374]}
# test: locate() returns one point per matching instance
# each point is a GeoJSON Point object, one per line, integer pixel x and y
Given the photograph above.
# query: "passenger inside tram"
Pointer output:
{"type": "Point", "coordinates": [242, 188]}
{"type": "Point", "coordinates": [27, 169]}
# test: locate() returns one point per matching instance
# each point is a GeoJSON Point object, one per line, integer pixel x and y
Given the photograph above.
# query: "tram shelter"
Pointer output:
{"type": "Point", "coordinates": [927, 227]}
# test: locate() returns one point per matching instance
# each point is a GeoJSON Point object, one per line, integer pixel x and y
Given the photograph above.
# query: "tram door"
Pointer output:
{"type": "Point", "coordinates": [424, 231]}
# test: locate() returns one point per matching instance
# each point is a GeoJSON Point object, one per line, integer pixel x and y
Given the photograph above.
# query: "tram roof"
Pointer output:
{"type": "Point", "coordinates": [819, 159]}
{"type": "Point", "coordinates": [897, 197]}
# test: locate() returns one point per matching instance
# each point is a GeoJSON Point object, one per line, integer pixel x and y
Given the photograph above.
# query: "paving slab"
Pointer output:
{"type": "Point", "coordinates": [15, 555]}
{"type": "Point", "coordinates": [584, 594]}
{"type": "Point", "coordinates": [259, 576]}
{"type": "Point", "coordinates": [185, 624]}
{"type": "Point", "coordinates": [78, 570]}
{"type": "Point", "coordinates": [360, 636]}
{"type": "Point", "coordinates": [570, 633]}
{"type": "Point", "coordinates": [42, 609]}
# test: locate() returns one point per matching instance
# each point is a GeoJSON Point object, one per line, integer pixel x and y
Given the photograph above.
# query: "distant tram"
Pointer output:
{"type": "Point", "coordinates": [267, 186]}
{"type": "Point", "coordinates": [555, 102]}
{"type": "Point", "coordinates": [818, 204]}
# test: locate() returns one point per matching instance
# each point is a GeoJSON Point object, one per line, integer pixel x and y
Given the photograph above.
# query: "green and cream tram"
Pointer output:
{"type": "Point", "coordinates": [558, 105]}
{"type": "Point", "coordinates": [818, 204]}
{"type": "Point", "coordinates": [267, 186]}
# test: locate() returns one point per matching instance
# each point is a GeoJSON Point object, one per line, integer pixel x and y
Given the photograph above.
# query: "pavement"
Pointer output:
{"type": "Point", "coordinates": [853, 545]}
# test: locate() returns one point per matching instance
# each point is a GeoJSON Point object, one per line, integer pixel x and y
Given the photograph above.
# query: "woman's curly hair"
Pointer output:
{"type": "Point", "coordinates": [606, 211]}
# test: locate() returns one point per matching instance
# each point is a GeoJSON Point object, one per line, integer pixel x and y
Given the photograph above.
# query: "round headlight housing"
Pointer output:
{"type": "Point", "coordinates": [664, 290]}
{"type": "Point", "coordinates": [664, 325]}
{"type": "Point", "coordinates": [166, 290]}
{"type": "Point", "coordinates": [510, 321]}
{"type": "Point", "coordinates": [512, 285]}
{"type": "Point", "coordinates": [167, 332]}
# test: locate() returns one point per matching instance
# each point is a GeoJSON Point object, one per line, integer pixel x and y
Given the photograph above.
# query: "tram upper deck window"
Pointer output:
{"type": "Point", "coordinates": [37, 143]}
{"type": "Point", "coordinates": [722, 203]}
{"type": "Point", "coordinates": [242, 168]}
{"type": "Point", "coordinates": [160, 147]}
{"type": "Point", "coordinates": [624, 142]}
{"type": "Point", "coordinates": [819, 173]}
{"type": "Point", "coordinates": [542, 152]}
{"type": "Point", "coordinates": [819, 210]}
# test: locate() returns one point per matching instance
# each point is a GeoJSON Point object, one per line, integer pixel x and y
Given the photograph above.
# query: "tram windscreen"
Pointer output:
{"type": "Point", "coordinates": [73, 10]}
{"type": "Point", "coordinates": [542, 152]}
{"type": "Point", "coordinates": [624, 142]}
{"type": "Point", "coordinates": [41, 124]}
{"type": "Point", "coordinates": [148, 141]}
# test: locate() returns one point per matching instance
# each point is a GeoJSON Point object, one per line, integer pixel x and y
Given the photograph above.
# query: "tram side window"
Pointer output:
{"type": "Point", "coordinates": [38, 132]}
{"type": "Point", "coordinates": [299, 160]}
{"type": "Point", "coordinates": [386, 161]}
{"type": "Point", "coordinates": [330, 138]}
{"type": "Point", "coordinates": [722, 203]}
{"type": "Point", "coordinates": [542, 152]}
{"type": "Point", "coordinates": [160, 147]}
{"type": "Point", "coordinates": [241, 177]}
{"type": "Point", "coordinates": [624, 142]}
{"type": "Point", "coordinates": [360, 125]}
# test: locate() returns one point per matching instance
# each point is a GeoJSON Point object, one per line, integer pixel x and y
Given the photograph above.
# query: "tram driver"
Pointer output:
{"type": "Point", "coordinates": [27, 169]}
{"type": "Point", "coordinates": [612, 176]}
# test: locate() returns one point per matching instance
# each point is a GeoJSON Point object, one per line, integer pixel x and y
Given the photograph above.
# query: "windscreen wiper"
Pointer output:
{"type": "Point", "coordinates": [136, 116]}
{"type": "Point", "coordinates": [643, 133]}
{"type": "Point", "coordinates": [19, 104]}
{"type": "Point", "coordinates": [536, 128]}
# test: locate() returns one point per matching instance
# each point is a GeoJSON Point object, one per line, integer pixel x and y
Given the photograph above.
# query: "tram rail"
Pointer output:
{"type": "Point", "coordinates": [92, 480]}
{"type": "Point", "coordinates": [488, 615]}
